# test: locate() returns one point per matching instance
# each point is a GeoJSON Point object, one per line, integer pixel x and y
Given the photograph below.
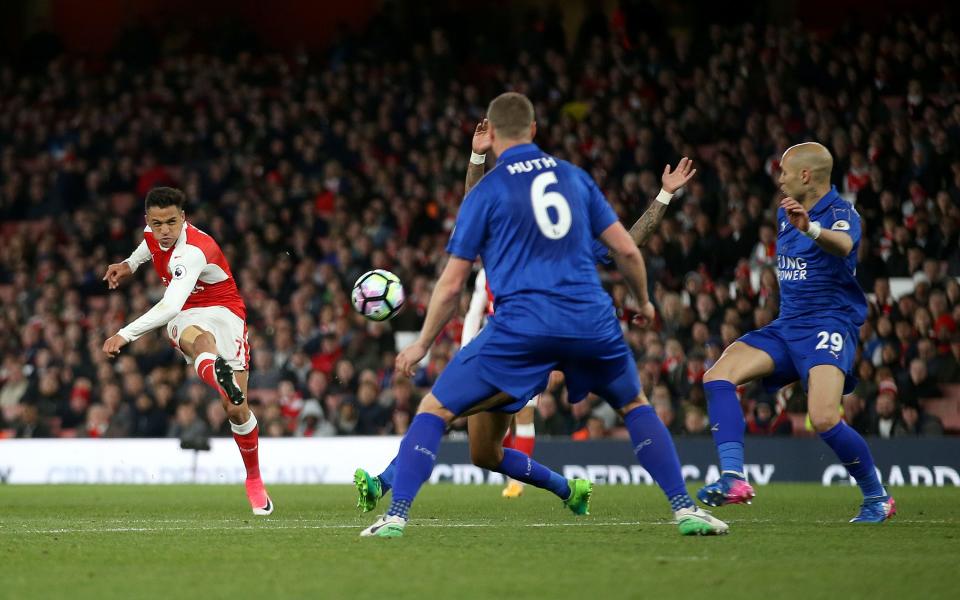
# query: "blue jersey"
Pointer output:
{"type": "Point", "coordinates": [534, 220]}
{"type": "Point", "coordinates": [814, 283]}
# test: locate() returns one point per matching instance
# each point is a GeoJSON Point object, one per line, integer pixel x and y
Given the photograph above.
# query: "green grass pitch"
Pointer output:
{"type": "Point", "coordinates": [467, 542]}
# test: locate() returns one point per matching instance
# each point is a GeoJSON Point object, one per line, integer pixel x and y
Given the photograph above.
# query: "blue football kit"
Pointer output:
{"type": "Point", "coordinates": [821, 310]}
{"type": "Point", "coordinates": [821, 304]}
{"type": "Point", "coordinates": [534, 220]}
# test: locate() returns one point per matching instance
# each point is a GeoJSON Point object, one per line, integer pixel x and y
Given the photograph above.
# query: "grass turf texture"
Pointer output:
{"type": "Point", "coordinates": [466, 542]}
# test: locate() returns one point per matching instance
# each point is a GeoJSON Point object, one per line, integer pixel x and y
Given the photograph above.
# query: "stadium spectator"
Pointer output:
{"type": "Point", "coordinates": [769, 419]}
{"type": "Point", "coordinates": [310, 175]}
{"type": "Point", "coordinates": [887, 421]}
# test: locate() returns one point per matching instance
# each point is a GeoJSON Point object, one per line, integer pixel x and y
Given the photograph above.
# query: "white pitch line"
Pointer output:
{"type": "Point", "coordinates": [312, 524]}
{"type": "Point", "coordinates": [270, 527]}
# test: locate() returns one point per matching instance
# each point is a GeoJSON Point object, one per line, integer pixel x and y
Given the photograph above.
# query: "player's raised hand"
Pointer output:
{"type": "Point", "coordinates": [481, 137]}
{"type": "Point", "coordinates": [796, 213]}
{"type": "Point", "coordinates": [112, 346]}
{"type": "Point", "coordinates": [677, 178]}
{"type": "Point", "coordinates": [409, 358]}
{"type": "Point", "coordinates": [117, 273]}
{"type": "Point", "coordinates": [646, 316]}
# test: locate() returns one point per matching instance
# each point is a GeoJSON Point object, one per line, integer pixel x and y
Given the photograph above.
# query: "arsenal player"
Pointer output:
{"type": "Point", "coordinates": [204, 315]}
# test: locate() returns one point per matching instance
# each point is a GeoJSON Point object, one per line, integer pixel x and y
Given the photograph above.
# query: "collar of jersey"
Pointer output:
{"type": "Point", "coordinates": [517, 150]}
{"type": "Point", "coordinates": [826, 201]}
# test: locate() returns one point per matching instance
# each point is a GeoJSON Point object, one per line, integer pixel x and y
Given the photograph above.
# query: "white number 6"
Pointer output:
{"type": "Point", "coordinates": [542, 200]}
{"type": "Point", "coordinates": [835, 341]}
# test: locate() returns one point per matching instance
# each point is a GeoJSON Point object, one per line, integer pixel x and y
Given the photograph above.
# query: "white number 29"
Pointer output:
{"type": "Point", "coordinates": [833, 341]}
{"type": "Point", "coordinates": [542, 200]}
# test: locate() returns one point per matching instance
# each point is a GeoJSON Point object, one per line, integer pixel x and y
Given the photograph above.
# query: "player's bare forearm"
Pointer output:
{"type": "Point", "coordinates": [443, 303]}
{"type": "Point", "coordinates": [474, 174]}
{"type": "Point", "coordinates": [648, 222]}
{"type": "Point", "coordinates": [635, 272]}
{"type": "Point", "coordinates": [445, 299]}
{"type": "Point", "coordinates": [835, 242]}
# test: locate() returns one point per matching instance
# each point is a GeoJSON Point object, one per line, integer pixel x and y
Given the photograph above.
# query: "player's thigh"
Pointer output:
{"type": "Point", "coordinates": [485, 431]}
{"type": "Point", "coordinates": [824, 394]}
{"type": "Point", "coordinates": [191, 343]}
{"type": "Point", "coordinates": [613, 377]}
{"type": "Point", "coordinates": [482, 376]}
{"type": "Point", "coordinates": [742, 362]}
{"type": "Point", "coordinates": [228, 330]}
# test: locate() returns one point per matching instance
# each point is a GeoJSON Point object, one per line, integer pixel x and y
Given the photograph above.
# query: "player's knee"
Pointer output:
{"type": "Point", "coordinates": [716, 373]}
{"type": "Point", "coordinates": [486, 458]}
{"type": "Point", "coordinates": [430, 405]}
{"type": "Point", "coordinates": [824, 420]}
{"type": "Point", "coordinates": [205, 342]}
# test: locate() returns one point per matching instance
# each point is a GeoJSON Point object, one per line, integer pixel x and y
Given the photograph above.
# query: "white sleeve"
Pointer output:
{"type": "Point", "coordinates": [139, 256]}
{"type": "Point", "coordinates": [184, 272]}
{"type": "Point", "coordinates": [478, 306]}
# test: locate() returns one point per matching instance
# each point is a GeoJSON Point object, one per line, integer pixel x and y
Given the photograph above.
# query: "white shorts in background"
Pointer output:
{"type": "Point", "coordinates": [533, 401]}
{"type": "Point", "coordinates": [229, 330]}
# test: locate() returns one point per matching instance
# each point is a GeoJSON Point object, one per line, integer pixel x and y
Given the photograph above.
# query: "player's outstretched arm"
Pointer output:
{"type": "Point", "coordinates": [630, 262]}
{"type": "Point", "coordinates": [117, 272]}
{"type": "Point", "coordinates": [837, 243]}
{"type": "Point", "coordinates": [671, 181]}
{"type": "Point", "coordinates": [443, 303]}
{"type": "Point", "coordinates": [184, 277]}
{"type": "Point", "coordinates": [478, 163]}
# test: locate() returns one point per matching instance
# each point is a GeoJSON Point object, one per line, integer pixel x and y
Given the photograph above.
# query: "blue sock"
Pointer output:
{"type": "Point", "coordinates": [655, 450]}
{"type": "Point", "coordinates": [521, 467]}
{"type": "Point", "coordinates": [727, 424]}
{"type": "Point", "coordinates": [853, 452]}
{"type": "Point", "coordinates": [418, 453]}
{"type": "Point", "coordinates": [386, 478]}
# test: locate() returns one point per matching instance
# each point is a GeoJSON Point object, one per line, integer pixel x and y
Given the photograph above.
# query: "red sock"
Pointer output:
{"type": "Point", "coordinates": [523, 438]}
{"type": "Point", "coordinates": [247, 437]}
{"type": "Point", "coordinates": [508, 440]}
{"type": "Point", "coordinates": [524, 444]}
{"type": "Point", "coordinates": [204, 365]}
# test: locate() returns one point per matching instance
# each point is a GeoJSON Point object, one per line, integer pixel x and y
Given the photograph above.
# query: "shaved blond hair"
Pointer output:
{"type": "Point", "coordinates": [811, 156]}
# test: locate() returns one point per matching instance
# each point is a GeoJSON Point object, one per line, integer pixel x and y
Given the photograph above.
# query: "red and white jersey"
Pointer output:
{"type": "Point", "coordinates": [481, 306]}
{"type": "Point", "coordinates": [195, 273]}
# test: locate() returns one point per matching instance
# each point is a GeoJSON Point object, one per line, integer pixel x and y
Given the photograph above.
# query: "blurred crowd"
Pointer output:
{"type": "Point", "coordinates": [312, 171]}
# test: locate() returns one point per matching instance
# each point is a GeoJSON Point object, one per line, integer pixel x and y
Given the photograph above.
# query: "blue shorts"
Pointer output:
{"type": "Point", "coordinates": [518, 364]}
{"type": "Point", "coordinates": [798, 346]}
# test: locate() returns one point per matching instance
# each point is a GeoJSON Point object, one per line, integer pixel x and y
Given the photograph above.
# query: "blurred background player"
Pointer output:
{"type": "Point", "coordinates": [533, 222]}
{"type": "Point", "coordinates": [814, 339]}
{"type": "Point", "coordinates": [521, 434]}
{"type": "Point", "coordinates": [204, 314]}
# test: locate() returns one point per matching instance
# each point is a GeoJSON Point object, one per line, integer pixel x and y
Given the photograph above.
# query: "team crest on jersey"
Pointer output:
{"type": "Point", "coordinates": [173, 332]}
{"type": "Point", "coordinates": [178, 271]}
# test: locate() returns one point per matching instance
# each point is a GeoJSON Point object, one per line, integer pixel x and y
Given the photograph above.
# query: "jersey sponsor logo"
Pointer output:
{"type": "Point", "coordinates": [841, 225]}
{"type": "Point", "coordinates": [791, 268]}
{"type": "Point", "coordinates": [178, 271]}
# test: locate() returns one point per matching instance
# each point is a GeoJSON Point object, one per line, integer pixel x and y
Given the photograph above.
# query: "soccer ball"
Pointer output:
{"type": "Point", "coordinates": [378, 295]}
